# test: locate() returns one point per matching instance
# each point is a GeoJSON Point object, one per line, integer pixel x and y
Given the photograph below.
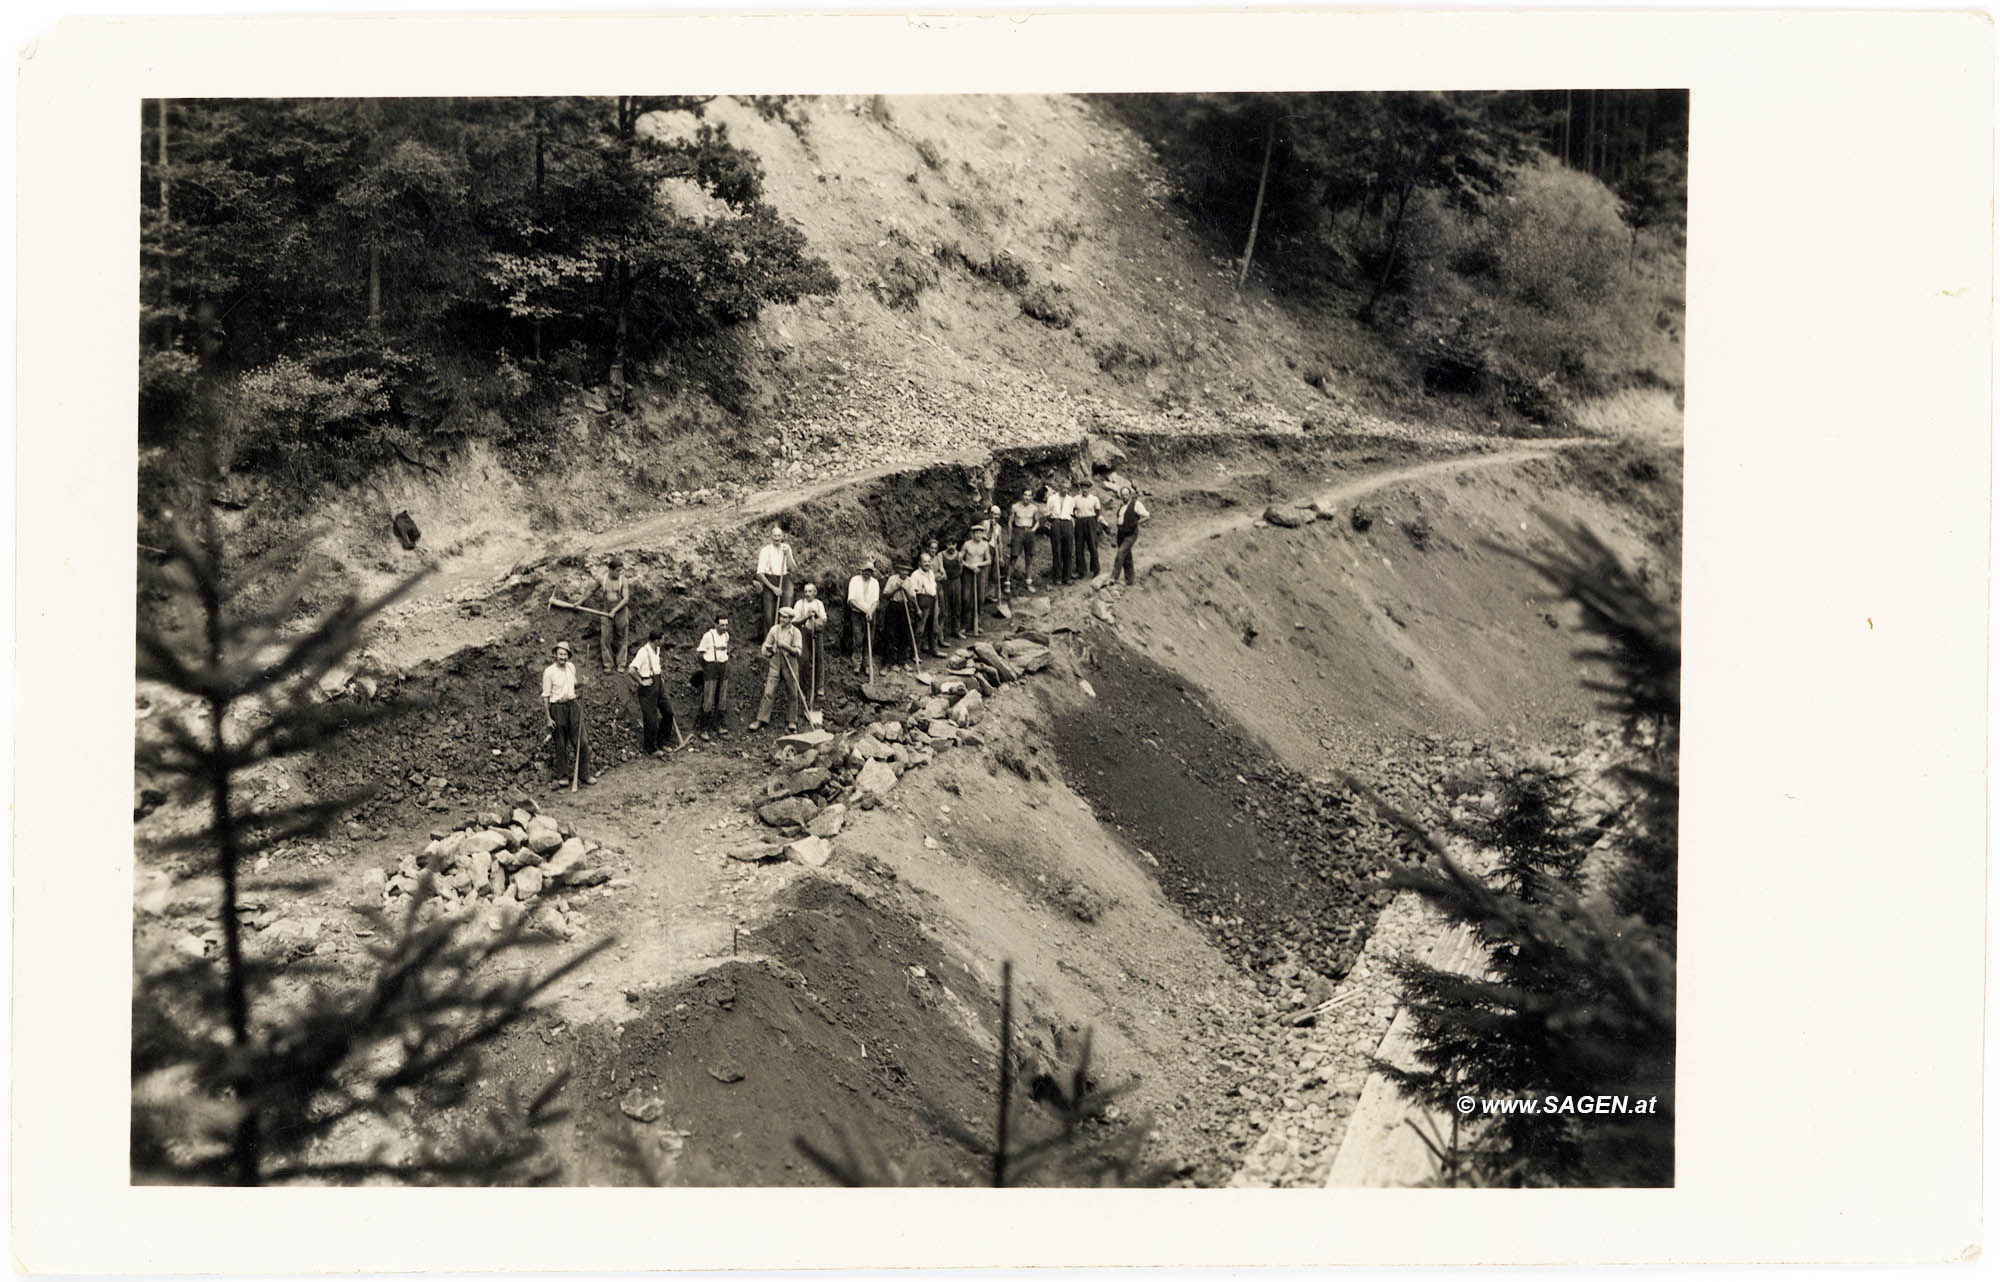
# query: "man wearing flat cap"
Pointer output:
{"type": "Point", "coordinates": [782, 646]}
{"type": "Point", "coordinates": [565, 718]}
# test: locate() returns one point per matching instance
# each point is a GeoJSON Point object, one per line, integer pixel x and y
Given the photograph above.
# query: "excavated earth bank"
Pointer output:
{"type": "Point", "coordinates": [1149, 829]}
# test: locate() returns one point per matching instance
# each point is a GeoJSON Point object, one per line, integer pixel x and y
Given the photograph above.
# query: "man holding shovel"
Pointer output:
{"type": "Point", "coordinates": [924, 593]}
{"type": "Point", "coordinates": [714, 652]}
{"type": "Point", "coordinates": [974, 557]}
{"type": "Point", "coordinates": [810, 615]}
{"type": "Point", "coordinates": [565, 719]}
{"type": "Point", "coordinates": [649, 688]}
{"type": "Point", "coordinates": [776, 571]}
{"type": "Point", "coordinates": [782, 646]}
{"type": "Point", "coordinates": [863, 595]}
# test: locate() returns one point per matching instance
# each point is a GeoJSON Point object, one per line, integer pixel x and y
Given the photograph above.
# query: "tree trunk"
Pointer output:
{"type": "Point", "coordinates": [374, 284]}
{"type": "Point", "coordinates": [166, 230]}
{"type": "Point", "coordinates": [618, 348]}
{"type": "Point", "coordinates": [1257, 210]}
{"type": "Point", "coordinates": [1569, 116]}
{"type": "Point", "coordinates": [228, 855]}
{"type": "Point", "coordinates": [1389, 256]}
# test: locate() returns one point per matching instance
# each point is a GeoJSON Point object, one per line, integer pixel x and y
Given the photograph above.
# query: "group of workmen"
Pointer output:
{"type": "Point", "coordinates": [943, 590]}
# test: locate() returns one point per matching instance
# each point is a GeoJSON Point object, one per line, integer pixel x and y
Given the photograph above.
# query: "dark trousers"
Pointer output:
{"type": "Point", "coordinates": [568, 740]}
{"type": "Point", "coordinates": [1063, 535]}
{"type": "Point", "coordinates": [714, 695]}
{"type": "Point", "coordinates": [812, 663]}
{"type": "Point", "coordinates": [1123, 560]}
{"type": "Point", "coordinates": [611, 633]}
{"type": "Point", "coordinates": [854, 631]}
{"type": "Point", "coordinates": [973, 599]}
{"type": "Point", "coordinates": [771, 601]}
{"type": "Point", "coordinates": [780, 680]}
{"type": "Point", "coordinates": [927, 623]}
{"type": "Point", "coordinates": [1086, 545]}
{"type": "Point", "coordinates": [1020, 543]}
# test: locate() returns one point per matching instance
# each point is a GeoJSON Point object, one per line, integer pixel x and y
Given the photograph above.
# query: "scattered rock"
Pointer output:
{"type": "Point", "coordinates": [874, 783]}
{"type": "Point", "coordinates": [1284, 520]}
{"type": "Point", "coordinates": [641, 1107]}
{"type": "Point", "coordinates": [725, 1073]}
{"type": "Point", "coordinates": [810, 779]}
{"type": "Point", "coordinates": [788, 812]}
{"type": "Point", "coordinates": [813, 852]}
{"type": "Point", "coordinates": [967, 711]}
{"type": "Point", "coordinates": [828, 822]}
{"type": "Point", "coordinates": [527, 883]}
{"type": "Point", "coordinates": [568, 856]}
{"type": "Point", "coordinates": [887, 731]}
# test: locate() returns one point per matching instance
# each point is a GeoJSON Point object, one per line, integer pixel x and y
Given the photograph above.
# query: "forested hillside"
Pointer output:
{"type": "Point", "coordinates": [335, 287]}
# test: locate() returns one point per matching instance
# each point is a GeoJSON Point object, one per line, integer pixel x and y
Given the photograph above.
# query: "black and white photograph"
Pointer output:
{"type": "Point", "coordinates": [1098, 640]}
{"type": "Point", "coordinates": [1170, 641]}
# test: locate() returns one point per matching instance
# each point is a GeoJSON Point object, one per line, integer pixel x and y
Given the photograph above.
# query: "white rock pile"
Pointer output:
{"type": "Point", "coordinates": [504, 866]}
{"type": "Point", "coordinates": [822, 776]}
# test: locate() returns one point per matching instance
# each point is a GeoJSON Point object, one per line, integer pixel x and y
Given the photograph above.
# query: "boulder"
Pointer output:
{"type": "Point", "coordinates": [521, 818]}
{"type": "Point", "coordinates": [813, 852]}
{"type": "Point", "coordinates": [443, 853]}
{"type": "Point", "coordinates": [881, 691]}
{"type": "Point", "coordinates": [517, 837]}
{"type": "Point", "coordinates": [828, 822]}
{"type": "Point", "coordinates": [1103, 612]}
{"type": "Point", "coordinates": [1282, 519]}
{"type": "Point", "coordinates": [887, 731]}
{"type": "Point", "coordinates": [544, 835]}
{"type": "Point", "coordinates": [1004, 670]}
{"type": "Point", "coordinates": [482, 868]}
{"type": "Point", "coordinates": [516, 857]}
{"type": "Point", "coordinates": [874, 782]}
{"type": "Point", "coordinates": [788, 812]}
{"type": "Point", "coordinates": [942, 733]}
{"type": "Point", "coordinates": [810, 779]}
{"type": "Point", "coordinates": [908, 755]}
{"type": "Point", "coordinates": [581, 877]}
{"type": "Point", "coordinates": [527, 884]}
{"type": "Point", "coordinates": [374, 881]}
{"type": "Point", "coordinates": [492, 819]}
{"type": "Point", "coordinates": [936, 706]}
{"type": "Point", "coordinates": [569, 855]}
{"type": "Point", "coordinates": [967, 711]}
{"type": "Point", "coordinates": [496, 881]}
{"type": "Point", "coordinates": [949, 688]}
{"type": "Point", "coordinates": [485, 841]}
{"type": "Point", "coordinates": [1101, 455]}
{"type": "Point", "coordinates": [869, 748]}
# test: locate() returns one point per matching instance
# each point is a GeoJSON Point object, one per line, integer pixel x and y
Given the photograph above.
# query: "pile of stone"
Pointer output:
{"type": "Point", "coordinates": [505, 865]}
{"type": "Point", "coordinates": [821, 775]}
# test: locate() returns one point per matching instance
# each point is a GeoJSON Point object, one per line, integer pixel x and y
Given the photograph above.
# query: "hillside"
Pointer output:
{"type": "Point", "coordinates": [1156, 806]}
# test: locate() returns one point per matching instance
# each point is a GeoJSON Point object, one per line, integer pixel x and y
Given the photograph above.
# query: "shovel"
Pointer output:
{"type": "Point", "coordinates": [868, 641]}
{"type": "Point", "coordinates": [916, 651]}
{"type": "Point", "coordinates": [814, 717]}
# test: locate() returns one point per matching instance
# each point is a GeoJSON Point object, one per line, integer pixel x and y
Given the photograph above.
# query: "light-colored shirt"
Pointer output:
{"type": "Point", "coordinates": [1085, 504]}
{"type": "Point", "coordinates": [783, 636]}
{"type": "Point", "coordinates": [559, 683]}
{"type": "Point", "coordinates": [646, 663]}
{"type": "Point", "coordinates": [922, 582]}
{"type": "Point", "coordinates": [811, 613]}
{"type": "Point", "coordinates": [714, 647]}
{"type": "Point", "coordinates": [775, 559]}
{"type": "Point", "coordinates": [1056, 507]}
{"type": "Point", "coordinates": [863, 593]}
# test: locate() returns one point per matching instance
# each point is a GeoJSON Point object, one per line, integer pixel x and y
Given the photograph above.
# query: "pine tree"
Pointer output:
{"type": "Point", "coordinates": [1578, 995]}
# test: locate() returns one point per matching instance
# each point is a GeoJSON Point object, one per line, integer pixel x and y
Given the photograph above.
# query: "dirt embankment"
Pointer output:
{"type": "Point", "coordinates": [1142, 832]}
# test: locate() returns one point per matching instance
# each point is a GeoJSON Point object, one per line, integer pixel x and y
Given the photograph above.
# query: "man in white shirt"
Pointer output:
{"type": "Point", "coordinates": [649, 682]}
{"type": "Point", "coordinates": [1062, 532]}
{"type": "Point", "coordinates": [776, 572]}
{"type": "Point", "coordinates": [782, 646]}
{"type": "Point", "coordinates": [1084, 506]}
{"type": "Point", "coordinates": [560, 708]}
{"type": "Point", "coordinates": [864, 593]}
{"type": "Point", "coordinates": [810, 615]}
{"type": "Point", "coordinates": [924, 604]}
{"type": "Point", "coordinates": [714, 651]}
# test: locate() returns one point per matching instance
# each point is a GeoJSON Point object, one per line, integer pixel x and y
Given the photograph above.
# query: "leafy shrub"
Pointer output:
{"type": "Point", "coordinates": [903, 280]}
{"type": "Point", "coordinates": [1046, 304]}
{"type": "Point", "coordinates": [1003, 269]}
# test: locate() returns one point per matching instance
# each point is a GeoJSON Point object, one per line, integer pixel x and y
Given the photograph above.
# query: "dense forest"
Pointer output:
{"type": "Point", "coordinates": [1495, 238]}
{"type": "Point", "coordinates": [329, 285]}
{"type": "Point", "coordinates": [365, 275]}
